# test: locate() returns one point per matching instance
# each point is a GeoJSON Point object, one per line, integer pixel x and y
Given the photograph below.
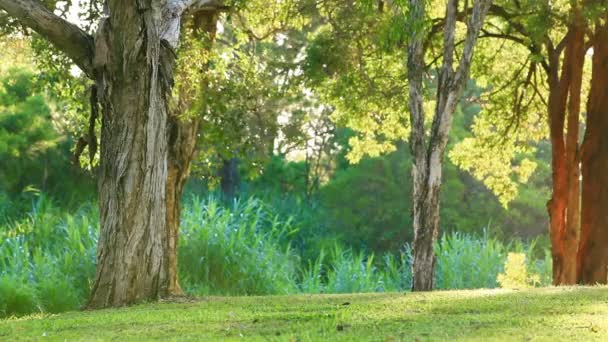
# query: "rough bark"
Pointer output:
{"type": "Point", "coordinates": [134, 70]}
{"type": "Point", "coordinates": [428, 155]}
{"type": "Point", "coordinates": [131, 60]}
{"type": "Point", "coordinates": [593, 252]}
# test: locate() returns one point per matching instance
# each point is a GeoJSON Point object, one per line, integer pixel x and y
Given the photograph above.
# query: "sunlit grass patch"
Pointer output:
{"type": "Point", "coordinates": [545, 314]}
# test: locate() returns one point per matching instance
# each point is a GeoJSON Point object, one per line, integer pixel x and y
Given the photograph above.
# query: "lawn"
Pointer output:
{"type": "Point", "coordinates": [550, 314]}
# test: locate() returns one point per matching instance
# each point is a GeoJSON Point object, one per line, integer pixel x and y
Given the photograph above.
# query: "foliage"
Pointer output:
{"type": "Point", "coordinates": [16, 297]}
{"type": "Point", "coordinates": [361, 206]}
{"type": "Point", "coordinates": [466, 262]}
{"type": "Point", "coordinates": [26, 133]}
{"type": "Point", "coordinates": [35, 140]}
{"type": "Point", "coordinates": [516, 275]}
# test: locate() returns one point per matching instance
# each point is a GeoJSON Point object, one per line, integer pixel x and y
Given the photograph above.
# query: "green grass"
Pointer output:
{"type": "Point", "coordinates": [544, 314]}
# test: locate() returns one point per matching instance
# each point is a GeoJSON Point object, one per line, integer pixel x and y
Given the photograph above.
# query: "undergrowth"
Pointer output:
{"type": "Point", "coordinates": [47, 259]}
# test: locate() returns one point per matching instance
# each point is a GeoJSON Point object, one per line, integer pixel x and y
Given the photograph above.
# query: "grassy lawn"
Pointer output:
{"type": "Point", "coordinates": [567, 314]}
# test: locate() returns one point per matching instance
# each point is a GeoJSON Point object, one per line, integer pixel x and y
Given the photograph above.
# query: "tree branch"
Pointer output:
{"type": "Point", "coordinates": [480, 9]}
{"type": "Point", "coordinates": [67, 37]}
{"type": "Point", "coordinates": [173, 10]}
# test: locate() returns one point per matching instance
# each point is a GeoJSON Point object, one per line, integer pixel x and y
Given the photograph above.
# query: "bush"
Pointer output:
{"type": "Point", "coordinates": [16, 297]}
{"type": "Point", "coordinates": [516, 275]}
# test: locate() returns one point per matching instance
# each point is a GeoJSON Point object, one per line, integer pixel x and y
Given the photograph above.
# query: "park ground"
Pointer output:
{"type": "Point", "coordinates": [545, 314]}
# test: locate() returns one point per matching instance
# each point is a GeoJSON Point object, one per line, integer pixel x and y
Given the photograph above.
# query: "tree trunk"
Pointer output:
{"type": "Point", "coordinates": [183, 137]}
{"type": "Point", "coordinates": [426, 192]}
{"type": "Point", "coordinates": [182, 142]}
{"type": "Point", "coordinates": [593, 248]}
{"type": "Point", "coordinates": [131, 59]}
{"type": "Point", "coordinates": [564, 206]}
{"type": "Point", "coordinates": [135, 77]}
{"type": "Point", "coordinates": [428, 153]}
{"type": "Point", "coordinates": [229, 178]}
{"type": "Point", "coordinates": [576, 45]}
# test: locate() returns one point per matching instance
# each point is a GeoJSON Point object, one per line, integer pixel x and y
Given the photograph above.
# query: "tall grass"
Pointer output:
{"type": "Point", "coordinates": [236, 250]}
{"type": "Point", "coordinates": [47, 258]}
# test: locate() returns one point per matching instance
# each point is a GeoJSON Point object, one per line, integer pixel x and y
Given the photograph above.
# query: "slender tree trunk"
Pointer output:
{"type": "Point", "coordinates": [558, 204]}
{"type": "Point", "coordinates": [564, 97]}
{"type": "Point", "coordinates": [229, 178]}
{"type": "Point", "coordinates": [182, 142]}
{"type": "Point", "coordinates": [183, 137]}
{"type": "Point", "coordinates": [426, 193]}
{"type": "Point", "coordinates": [576, 45]}
{"type": "Point", "coordinates": [593, 248]}
{"type": "Point", "coordinates": [135, 76]}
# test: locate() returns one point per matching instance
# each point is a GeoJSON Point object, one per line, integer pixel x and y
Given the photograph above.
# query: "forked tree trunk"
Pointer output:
{"type": "Point", "coordinates": [564, 206]}
{"type": "Point", "coordinates": [593, 248]}
{"type": "Point", "coordinates": [428, 153]}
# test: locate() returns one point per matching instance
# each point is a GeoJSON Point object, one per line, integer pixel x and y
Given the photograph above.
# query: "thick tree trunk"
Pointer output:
{"type": "Point", "coordinates": [593, 248]}
{"type": "Point", "coordinates": [131, 60]}
{"type": "Point", "coordinates": [134, 79]}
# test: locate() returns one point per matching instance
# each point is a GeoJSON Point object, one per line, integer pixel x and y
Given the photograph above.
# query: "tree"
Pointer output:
{"type": "Point", "coordinates": [592, 258]}
{"type": "Point", "coordinates": [131, 58]}
{"type": "Point", "coordinates": [562, 60]}
{"type": "Point", "coordinates": [428, 152]}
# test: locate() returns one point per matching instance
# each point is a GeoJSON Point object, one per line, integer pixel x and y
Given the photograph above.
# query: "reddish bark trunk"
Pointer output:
{"type": "Point", "coordinates": [558, 204]}
{"type": "Point", "coordinates": [564, 206]}
{"type": "Point", "coordinates": [593, 248]}
{"type": "Point", "coordinates": [569, 238]}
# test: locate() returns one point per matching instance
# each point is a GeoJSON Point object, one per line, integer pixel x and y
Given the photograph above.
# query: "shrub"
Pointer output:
{"type": "Point", "coordinates": [16, 297]}
{"type": "Point", "coordinates": [516, 275]}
